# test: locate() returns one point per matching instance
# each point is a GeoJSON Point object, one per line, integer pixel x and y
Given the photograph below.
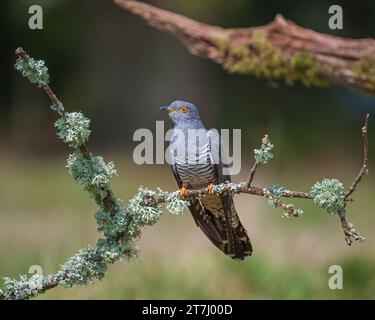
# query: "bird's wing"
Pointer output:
{"type": "Point", "coordinates": [216, 215]}
{"type": "Point", "coordinates": [218, 156]}
{"type": "Point", "coordinates": [239, 245]}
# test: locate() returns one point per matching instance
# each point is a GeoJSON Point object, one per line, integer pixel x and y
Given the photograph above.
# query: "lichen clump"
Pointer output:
{"type": "Point", "coordinates": [174, 204]}
{"type": "Point", "coordinates": [112, 225]}
{"type": "Point", "coordinates": [92, 174]}
{"type": "Point", "coordinates": [264, 154]}
{"type": "Point", "coordinates": [140, 213]}
{"type": "Point", "coordinates": [277, 190]}
{"type": "Point", "coordinates": [73, 129]}
{"type": "Point", "coordinates": [111, 251]}
{"type": "Point", "coordinates": [85, 266]}
{"type": "Point", "coordinates": [24, 287]}
{"type": "Point", "coordinates": [329, 195]}
{"type": "Point", "coordinates": [34, 70]}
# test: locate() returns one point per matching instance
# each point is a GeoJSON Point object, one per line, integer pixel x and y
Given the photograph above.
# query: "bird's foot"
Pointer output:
{"type": "Point", "coordinates": [210, 188]}
{"type": "Point", "coordinates": [183, 192]}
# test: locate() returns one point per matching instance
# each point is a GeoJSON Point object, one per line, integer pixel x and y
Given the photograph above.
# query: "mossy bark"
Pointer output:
{"type": "Point", "coordinates": [278, 50]}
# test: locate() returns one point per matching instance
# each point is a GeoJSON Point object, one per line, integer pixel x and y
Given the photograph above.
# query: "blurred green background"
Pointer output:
{"type": "Point", "coordinates": [110, 65]}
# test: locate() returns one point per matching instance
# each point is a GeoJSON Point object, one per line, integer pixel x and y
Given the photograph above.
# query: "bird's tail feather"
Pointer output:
{"type": "Point", "coordinates": [233, 241]}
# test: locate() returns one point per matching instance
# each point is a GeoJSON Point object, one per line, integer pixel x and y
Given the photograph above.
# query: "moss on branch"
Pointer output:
{"type": "Point", "coordinates": [364, 69]}
{"type": "Point", "coordinates": [263, 59]}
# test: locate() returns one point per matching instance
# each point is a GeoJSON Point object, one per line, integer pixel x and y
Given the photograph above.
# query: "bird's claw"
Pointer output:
{"type": "Point", "coordinates": [183, 192]}
{"type": "Point", "coordinates": [210, 188]}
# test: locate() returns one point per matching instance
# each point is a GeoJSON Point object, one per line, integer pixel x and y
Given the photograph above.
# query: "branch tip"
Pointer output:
{"type": "Point", "coordinates": [364, 166]}
{"type": "Point", "coordinates": [21, 53]}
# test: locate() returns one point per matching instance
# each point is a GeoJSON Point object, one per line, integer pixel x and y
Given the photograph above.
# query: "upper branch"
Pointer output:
{"type": "Point", "coordinates": [278, 50]}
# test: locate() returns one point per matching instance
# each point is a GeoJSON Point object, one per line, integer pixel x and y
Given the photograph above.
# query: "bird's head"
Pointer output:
{"type": "Point", "coordinates": [182, 112]}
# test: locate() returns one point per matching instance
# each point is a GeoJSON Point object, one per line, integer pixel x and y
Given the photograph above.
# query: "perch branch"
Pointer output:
{"type": "Point", "coordinates": [278, 50]}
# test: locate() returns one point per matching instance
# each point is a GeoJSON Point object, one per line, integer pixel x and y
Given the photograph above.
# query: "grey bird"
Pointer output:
{"type": "Point", "coordinates": [195, 168]}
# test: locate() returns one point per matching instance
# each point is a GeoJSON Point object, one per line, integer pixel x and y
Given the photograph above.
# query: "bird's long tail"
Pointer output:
{"type": "Point", "coordinates": [218, 220]}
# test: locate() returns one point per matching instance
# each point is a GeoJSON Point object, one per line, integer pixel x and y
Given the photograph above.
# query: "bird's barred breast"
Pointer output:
{"type": "Point", "coordinates": [195, 168]}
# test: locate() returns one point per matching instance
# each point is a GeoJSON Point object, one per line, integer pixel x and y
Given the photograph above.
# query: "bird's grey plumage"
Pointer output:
{"type": "Point", "coordinates": [195, 167]}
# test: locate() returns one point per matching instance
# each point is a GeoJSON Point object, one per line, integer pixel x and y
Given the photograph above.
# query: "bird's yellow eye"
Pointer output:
{"type": "Point", "coordinates": [183, 109]}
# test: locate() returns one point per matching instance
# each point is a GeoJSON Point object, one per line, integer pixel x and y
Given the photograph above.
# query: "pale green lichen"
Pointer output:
{"type": "Point", "coordinates": [112, 225]}
{"type": "Point", "coordinates": [141, 214]}
{"type": "Point", "coordinates": [264, 154]}
{"type": "Point", "coordinates": [329, 194]}
{"type": "Point", "coordinates": [263, 59]}
{"type": "Point", "coordinates": [24, 287]}
{"type": "Point", "coordinates": [34, 70]}
{"type": "Point", "coordinates": [93, 173]}
{"type": "Point", "coordinates": [73, 129]}
{"type": "Point", "coordinates": [112, 251]}
{"type": "Point", "coordinates": [174, 204]}
{"type": "Point", "coordinates": [85, 266]}
{"type": "Point", "coordinates": [277, 190]}
{"type": "Point", "coordinates": [58, 107]}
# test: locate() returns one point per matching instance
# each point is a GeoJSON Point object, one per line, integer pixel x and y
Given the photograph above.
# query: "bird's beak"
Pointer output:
{"type": "Point", "coordinates": [167, 108]}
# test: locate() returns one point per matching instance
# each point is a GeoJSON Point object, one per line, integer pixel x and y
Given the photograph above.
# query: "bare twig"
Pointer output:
{"type": "Point", "coordinates": [290, 209]}
{"type": "Point", "coordinates": [363, 170]}
{"type": "Point", "coordinates": [349, 231]}
{"type": "Point", "coordinates": [265, 141]}
{"type": "Point", "coordinates": [335, 60]}
{"type": "Point", "coordinates": [252, 173]}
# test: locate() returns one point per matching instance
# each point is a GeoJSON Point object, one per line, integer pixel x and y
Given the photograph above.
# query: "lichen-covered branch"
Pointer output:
{"type": "Point", "coordinates": [121, 225]}
{"type": "Point", "coordinates": [278, 50]}
{"type": "Point", "coordinates": [262, 155]}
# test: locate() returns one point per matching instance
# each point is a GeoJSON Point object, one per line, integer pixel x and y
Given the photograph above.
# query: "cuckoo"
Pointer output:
{"type": "Point", "coordinates": [198, 162]}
